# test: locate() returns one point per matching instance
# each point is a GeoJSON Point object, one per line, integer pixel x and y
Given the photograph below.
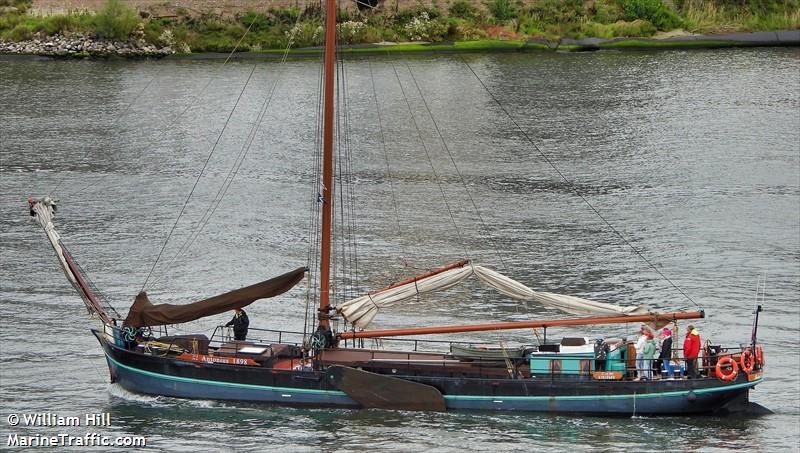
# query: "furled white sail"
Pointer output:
{"type": "Point", "coordinates": [43, 211]}
{"type": "Point", "coordinates": [570, 304]}
{"type": "Point", "coordinates": [362, 310]}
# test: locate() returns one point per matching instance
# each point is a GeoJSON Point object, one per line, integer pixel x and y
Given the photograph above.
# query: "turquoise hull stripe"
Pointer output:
{"type": "Point", "coordinates": [226, 384]}
{"type": "Point", "coordinates": [605, 397]}
{"type": "Point", "coordinates": [446, 397]}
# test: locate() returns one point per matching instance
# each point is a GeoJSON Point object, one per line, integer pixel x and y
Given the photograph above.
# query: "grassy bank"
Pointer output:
{"type": "Point", "coordinates": [446, 21]}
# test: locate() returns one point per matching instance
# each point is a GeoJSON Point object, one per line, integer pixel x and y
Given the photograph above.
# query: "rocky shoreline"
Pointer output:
{"type": "Point", "coordinates": [83, 46]}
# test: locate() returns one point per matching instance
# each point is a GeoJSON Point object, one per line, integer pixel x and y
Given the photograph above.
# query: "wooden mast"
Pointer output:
{"type": "Point", "coordinates": [327, 162]}
{"type": "Point", "coordinates": [524, 325]}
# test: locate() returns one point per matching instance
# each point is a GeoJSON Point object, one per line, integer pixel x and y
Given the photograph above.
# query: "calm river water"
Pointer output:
{"type": "Point", "coordinates": [694, 157]}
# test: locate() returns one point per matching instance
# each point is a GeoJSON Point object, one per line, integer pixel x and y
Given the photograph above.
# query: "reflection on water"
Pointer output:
{"type": "Point", "coordinates": [692, 156]}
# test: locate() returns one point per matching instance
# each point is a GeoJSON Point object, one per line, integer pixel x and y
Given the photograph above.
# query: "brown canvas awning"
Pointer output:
{"type": "Point", "coordinates": [143, 313]}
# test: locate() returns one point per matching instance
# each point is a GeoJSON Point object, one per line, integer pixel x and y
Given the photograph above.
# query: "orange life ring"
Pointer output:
{"type": "Point", "coordinates": [760, 356]}
{"type": "Point", "coordinates": [727, 375]}
{"type": "Point", "coordinates": [747, 361]}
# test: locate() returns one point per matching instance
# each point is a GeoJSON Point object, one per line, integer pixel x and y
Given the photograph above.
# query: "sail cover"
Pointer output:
{"type": "Point", "coordinates": [362, 310]}
{"type": "Point", "coordinates": [143, 313]}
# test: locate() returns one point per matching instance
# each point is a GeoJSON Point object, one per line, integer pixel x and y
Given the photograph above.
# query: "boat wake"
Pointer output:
{"type": "Point", "coordinates": [117, 391]}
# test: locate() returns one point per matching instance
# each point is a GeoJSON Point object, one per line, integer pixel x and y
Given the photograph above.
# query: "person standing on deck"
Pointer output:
{"type": "Point", "coordinates": [691, 349]}
{"type": "Point", "coordinates": [639, 350]}
{"type": "Point", "coordinates": [666, 350]}
{"type": "Point", "coordinates": [659, 337]}
{"type": "Point", "coordinates": [648, 352]}
{"type": "Point", "coordinates": [240, 323]}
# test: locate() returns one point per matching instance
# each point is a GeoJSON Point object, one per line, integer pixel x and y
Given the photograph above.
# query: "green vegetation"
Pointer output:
{"type": "Point", "coordinates": [481, 21]}
{"type": "Point", "coordinates": [503, 10]}
{"type": "Point", "coordinates": [463, 9]}
{"type": "Point", "coordinates": [115, 21]}
{"type": "Point", "coordinates": [653, 11]}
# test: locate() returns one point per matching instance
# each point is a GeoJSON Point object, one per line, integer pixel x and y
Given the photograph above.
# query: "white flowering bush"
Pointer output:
{"type": "Point", "coordinates": [351, 32]}
{"type": "Point", "coordinates": [422, 28]}
{"type": "Point", "coordinates": [292, 33]}
{"type": "Point", "coordinates": [319, 34]}
{"type": "Point", "coordinates": [305, 34]}
{"type": "Point", "coordinates": [166, 38]}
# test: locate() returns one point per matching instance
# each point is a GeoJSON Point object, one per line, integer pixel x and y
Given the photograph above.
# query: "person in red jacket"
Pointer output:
{"type": "Point", "coordinates": [691, 349]}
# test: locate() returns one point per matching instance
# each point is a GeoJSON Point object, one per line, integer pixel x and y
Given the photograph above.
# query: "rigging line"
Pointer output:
{"type": "Point", "coordinates": [315, 202]}
{"type": "Point", "coordinates": [458, 171]}
{"type": "Point", "coordinates": [386, 158]}
{"type": "Point", "coordinates": [307, 311]}
{"type": "Point", "coordinates": [168, 127]}
{"type": "Point", "coordinates": [340, 177]}
{"type": "Point", "coordinates": [337, 189]}
{"type": "Point", "coordinates": [351, 258]}
{"type": "Point", "coordinates": [466, 189]}
{"type": "Point", "coordinates": [223, 190]}
{"type": "Point", "coordinates": [238, 43]}
{"type": "Point", "coordinates": [113, 123]}
{"type": "Point", "coordinates": [353, 200]}
{"type": "Point", "coordinates": [351, 189]}
{"type": "Point", "coordinates": [360, 2]}
{"type": "Point", "coordinates": [496, 334]}
{"type": "Point", "coordinates": [189, 105]}
{"type": "Point", "coordinates": [199, 176]}
{"type": "Point", "coordinates": [233, 172]}
{"type": "Point", "coordinates": [312, 258]}
{"type": "Point", "coordinates": [343, 147]}
{"type": "Point", "coordinates": [290, 41]}
{"type": "Point", "coordinates": [346, 188]}
{"type": "Point", "coordinates": [430, 161]}
{"type": "Point", "coordinates": [103, 299]}
{"type": "Point", "coordinates": [310, 279]}
{"type": "Point", "coordinates": [572, 186]}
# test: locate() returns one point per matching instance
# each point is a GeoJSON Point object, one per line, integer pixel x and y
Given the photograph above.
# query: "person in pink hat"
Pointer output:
{"type": "Point", "coordinates": [666, 349]}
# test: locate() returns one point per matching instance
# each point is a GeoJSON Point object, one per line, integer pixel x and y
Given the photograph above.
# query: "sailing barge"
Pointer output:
{"type": "Point", "coordinates": [332, 368]}
{"type": "Point", "coordinates": [571, 375]}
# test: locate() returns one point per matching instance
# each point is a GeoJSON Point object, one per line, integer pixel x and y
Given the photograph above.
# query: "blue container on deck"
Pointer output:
{"type": "Point", "coordinates": [543, 363]}
{"type": "Point", "coordinates": [615, 361]}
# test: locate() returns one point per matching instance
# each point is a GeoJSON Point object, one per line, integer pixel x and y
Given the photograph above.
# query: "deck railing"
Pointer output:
{"type": "Point", "coordinates": [406, 355]}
